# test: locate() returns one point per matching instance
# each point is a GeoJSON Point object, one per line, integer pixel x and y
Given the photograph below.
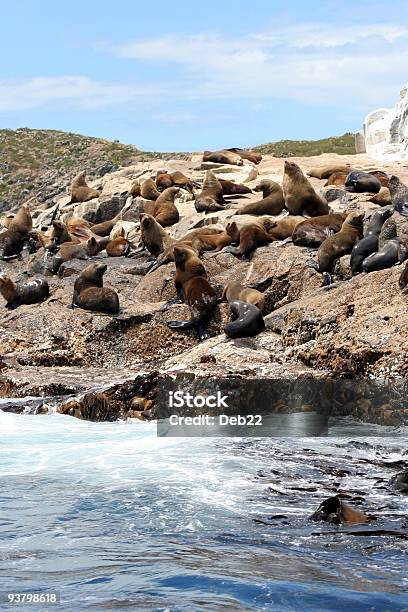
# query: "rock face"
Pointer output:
{"type": "Point", "coordinates": [386, 130]}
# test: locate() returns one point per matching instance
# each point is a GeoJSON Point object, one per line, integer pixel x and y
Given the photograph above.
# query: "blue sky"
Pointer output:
{"type": "Point", "coordinates": [171, 76]}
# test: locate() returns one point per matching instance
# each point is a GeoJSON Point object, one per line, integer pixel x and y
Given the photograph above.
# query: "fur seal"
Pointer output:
{"type": "Point", "coordinates": [73, 250]}
{"type": "Point", "coordinates": [399, 195]}
{"type": "Point", "coordinates": [80, 191]}
{"type": "Point", "coordinates": [300, 197]}
{"type": "Point", "coordinates": [165, 211]}
{"type": "Point", "coordinates": [12, 241]}
{"type": "Point", "coordinates": [154, 238]}
{"type": "Point", "coordinates": [148, 190]}
{"type": "Point", "coordinates": [231, 188]}
{"type": "Point", "coordinates": [383, 197]}
{"type": "Point", "coordinates": [223, 157]}
{"type": "Point", "coordinates": [90, 294]}
{"type": "Point", "coordinates": [249, 154]}
{"type": "Point", "coordinates": [249, 237]}
{"type": "Point", "coordinates": [181, 180]}
{"type": "Point", "coordinates": [17, 294]}
{"type": "Point", "coordinates": [119, 246]}
{"type": "Point", "coordinates": [248, 320]}
{"type": "Point", "coordinates": [391, 249]}
{"type": "Point", "coordinates": [341, 243]}
{"type": "Point", "coordinates": [335, 510]}
{"type": "Point", "coordinates": [211, 197]}
{"type": "Point", "coordinates": [312, 232]}
{"type": "Point", "coordinates": [399, 482]}
{"type": "Point", "coordinates": [323, 172]}
{"type": "Point", "coordinates": [382, 177]}
{"type": "Point", "coordinates": [362, 182]}
{"type": "Point", "coordinates": [163, 181]}
{"type": "Point", "coordinates": [235, 291]}
{"type": "Point", "coordinates": [211, 242]}
{"type": "Point", "coordinates": [194, 289]}
{"type": "Point", "coordinates": [403, 279]}
{"type": "Point", "coordinates": [272, 202]}
{"type": "Point", "coordinates": [369, 244]}
{"type": "Point", "coordinates": [337, 178]}
{"type": "Point", "coordinates": [135, 189]}
{"type": "Point", "coordinates": [282, 228]}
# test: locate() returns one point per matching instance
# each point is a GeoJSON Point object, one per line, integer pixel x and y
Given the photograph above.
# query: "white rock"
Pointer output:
{"type": "Point", "coordinates": [386, 131]}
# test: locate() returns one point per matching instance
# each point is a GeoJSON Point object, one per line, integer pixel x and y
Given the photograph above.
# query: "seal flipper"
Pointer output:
{"type": "Point", "coordinates": [180, 324]}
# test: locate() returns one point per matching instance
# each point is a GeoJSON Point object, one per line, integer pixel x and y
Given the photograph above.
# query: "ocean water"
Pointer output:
{"type": "Point", "coordinates": [112, 517]}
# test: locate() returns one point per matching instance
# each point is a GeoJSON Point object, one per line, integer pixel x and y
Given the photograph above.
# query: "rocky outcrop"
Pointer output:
{"type": "Point", "coordinates": [386, 131]}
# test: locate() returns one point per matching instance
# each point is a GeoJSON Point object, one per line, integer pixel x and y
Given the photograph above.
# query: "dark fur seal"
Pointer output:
{"type": "Point", "coordinates": [312, 232]}
{"type": "Point", "coordinates": [17, 294]}
{"type": "Point", "coordinates": [90, 294]}
{"type": "Point", "coordinates": [323, 172]}
{"type": "Point", "coordinates": [403, 279]}
{"type": "Point", "coordinates": [231, 188]}
{"type": "Point", "coordinates": [335, 510]}
{"type": "Point", "coordinates": [73, 250]}
{"type": "Point", "coordinates": [223, 157]}
{"type": "Point", "coordinates": [399, 195]}
{"type": "Point", "coordinates": [392, 250]}
{"type": "Point", "coordinates": [272, 202]}
{"type": "Point", "coordinates": [211, 197]}
{"type": "Point", "coordinates": [399, 482]}
{"type": "Point", "coordinates": [194, 289]}
{"type": "Point", "coordinates": [248, 320]}
{"type": "Point", "coordinates": [80, 191]}
{"type": "Point", "coordinates": [12, 241]}
{"type": "Point", "coordinates": [341, 243]}
{"type": "Point", "coordinates": [382, 177]}
{"type": "Point", "coordinates": [362, 182]}
{"type": "Point", "coordinates": [235, 291]}
{"type": "Point", "coordinates": [369, 244]}
{"type": "Point", "coordinates": [300, 196]}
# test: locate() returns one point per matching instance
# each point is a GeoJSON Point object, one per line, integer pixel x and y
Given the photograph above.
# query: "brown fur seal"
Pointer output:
{"type": "Point", "coordinates": [249, 154]}
{"type": "Point", "coordinates": [399, 195]}
{"type": "Point", "coordinates": [163, 181]}
{"type": "Point", "coordinates": [17, 234]}
{"type": "Point", "coordinates": [80, 191]}
{"type": "Point", "coordinates": [337, 178]}
{"type": "Point", "coordinates": [104, 229]}
{"type": "Point", "coordinates": [211, 197]}
{"type": "Point", "coordinates": [148, 190]}
{"type": "Point", "coordinates": [282, 228]}
{"type": "Point", "coordinates": [135, 189]}
{"type": "Point", "coordinates": [369, 244]}
{"type": "Point", "coordinates": [392, 250]}
{"type": "Point", "coordinates": [323, 172]}
{"type": "Point", "coordinates": [154, 238]}
{"type": "Point", "coordinates": [194, 289]}
{"type": "Point", "coordinates": [341, 243]}
{"type": "Point", "coordinates": [181, 180]}
{"type": "Point", "coordinates": [272, 203]}
{"type": "Point", "coordinates": [223, 157]}
{"type": "Point", "coordinates": [165, 211]}
{"type": "Point", "coordinates": [248, 320]}
{"type": "Point", "coordinates": [383, 197]}
{"type": "Point", "coordinates": [119, 246]}
{"type": "Point", "coordinates": [334, 510]}
{"type": "Point", "coordinates": [300, 197]}
{"type": "Point", "coordinates": [90, 294]}
{"type": "Point", "coordinates": [231, 188]}
{"type": "Point", "coordinates": [211, 242]}
{"type": "Point", "coordinates": [15, 295]}
{"type": "Point", "coordinates": [362, 182]}
{"type": "Point", "coordinates": [250, 236]}
{"type": "Point", "coordinates": [73, 250]}
{"type": "Point", "coordinates": [312, 232]}
{"type": "Point", "coordinates": [235, 291]}
{"type": "Point", "coordinates": [403, 279]}
{"type": "Point", "coordinates": [381, 176]}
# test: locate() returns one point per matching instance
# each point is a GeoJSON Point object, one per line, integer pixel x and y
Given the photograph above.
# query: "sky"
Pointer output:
{"type": "Point", "coordinates": [188, 76]}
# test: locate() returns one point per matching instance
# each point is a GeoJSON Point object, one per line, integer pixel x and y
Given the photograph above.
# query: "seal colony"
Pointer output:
{"type": "Point", "coordinates": [291, 209]}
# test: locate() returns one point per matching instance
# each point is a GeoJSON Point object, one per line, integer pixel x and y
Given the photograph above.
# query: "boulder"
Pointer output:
{"type": "Point", "coordinates": [386, 130]}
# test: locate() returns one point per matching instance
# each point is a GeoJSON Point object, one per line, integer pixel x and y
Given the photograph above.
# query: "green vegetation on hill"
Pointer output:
{"type": "Point", "coordinates": [343, 145]}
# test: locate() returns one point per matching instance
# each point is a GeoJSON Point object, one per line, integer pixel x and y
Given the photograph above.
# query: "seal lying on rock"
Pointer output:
{"type": "Point", "coordinates": [80, 191]}
{"type": "Point", "coordinates": [223, 157]}
{"type": "Point", "coordinates": [148, 190]}
{"type": "Point", "coordinates": [272, 202]}
{"type": "Point", "coordinates": [392, 250]}
{"type": "Point", "coordinates": [211, 197]}
{"type": "Point", "coordinates": [282, 228]}
{"type": "Point", "coordinates": [72, 250]}
{"type": "Point", "coordinates": [335, 510]}
{"type": "Point", "coordinates": [248, 320]}
{"type": "Point", "coordinates": [250, 236]}
{"type": "Point", "coordinates": [163, 181]}
{"type": "Point", "coordinates": [337, 178]}
{"type": "Point", "coordinates": [312, 232]}
{"type": "Point", "coordinates": [323, 172]}
{"type": "Point", "coordinates": [383, 197]}
{"type": "Point", "coordinates": [12, 241]}
{"type": "Point", "coordinates": [399, 195]}
{"type": "Point", "coordinates": [17, 294]}
{"type": "Point", "coordinates": [249, 154]}
{"type": "Point", "coordinates": [211, 242]}
{"type": "Point", "coordinates": [235, 291]}
{"type": "Point", "coordinates": [90, 294]}
{"type": "Point", "coordinates": [181, 180]}
{"type": "Point", "coordinates": [369, 244]}
{"type": "Point", "coordinates": [231, 188]}
{"type": "Point", "coordinates": [362, 182]}
{"type": "Point", "coordinates": [341, 243]}
{"type": "Point", "coordinates": [300, 196]}
{"type": "Point", "coordinates": [194, 289]}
